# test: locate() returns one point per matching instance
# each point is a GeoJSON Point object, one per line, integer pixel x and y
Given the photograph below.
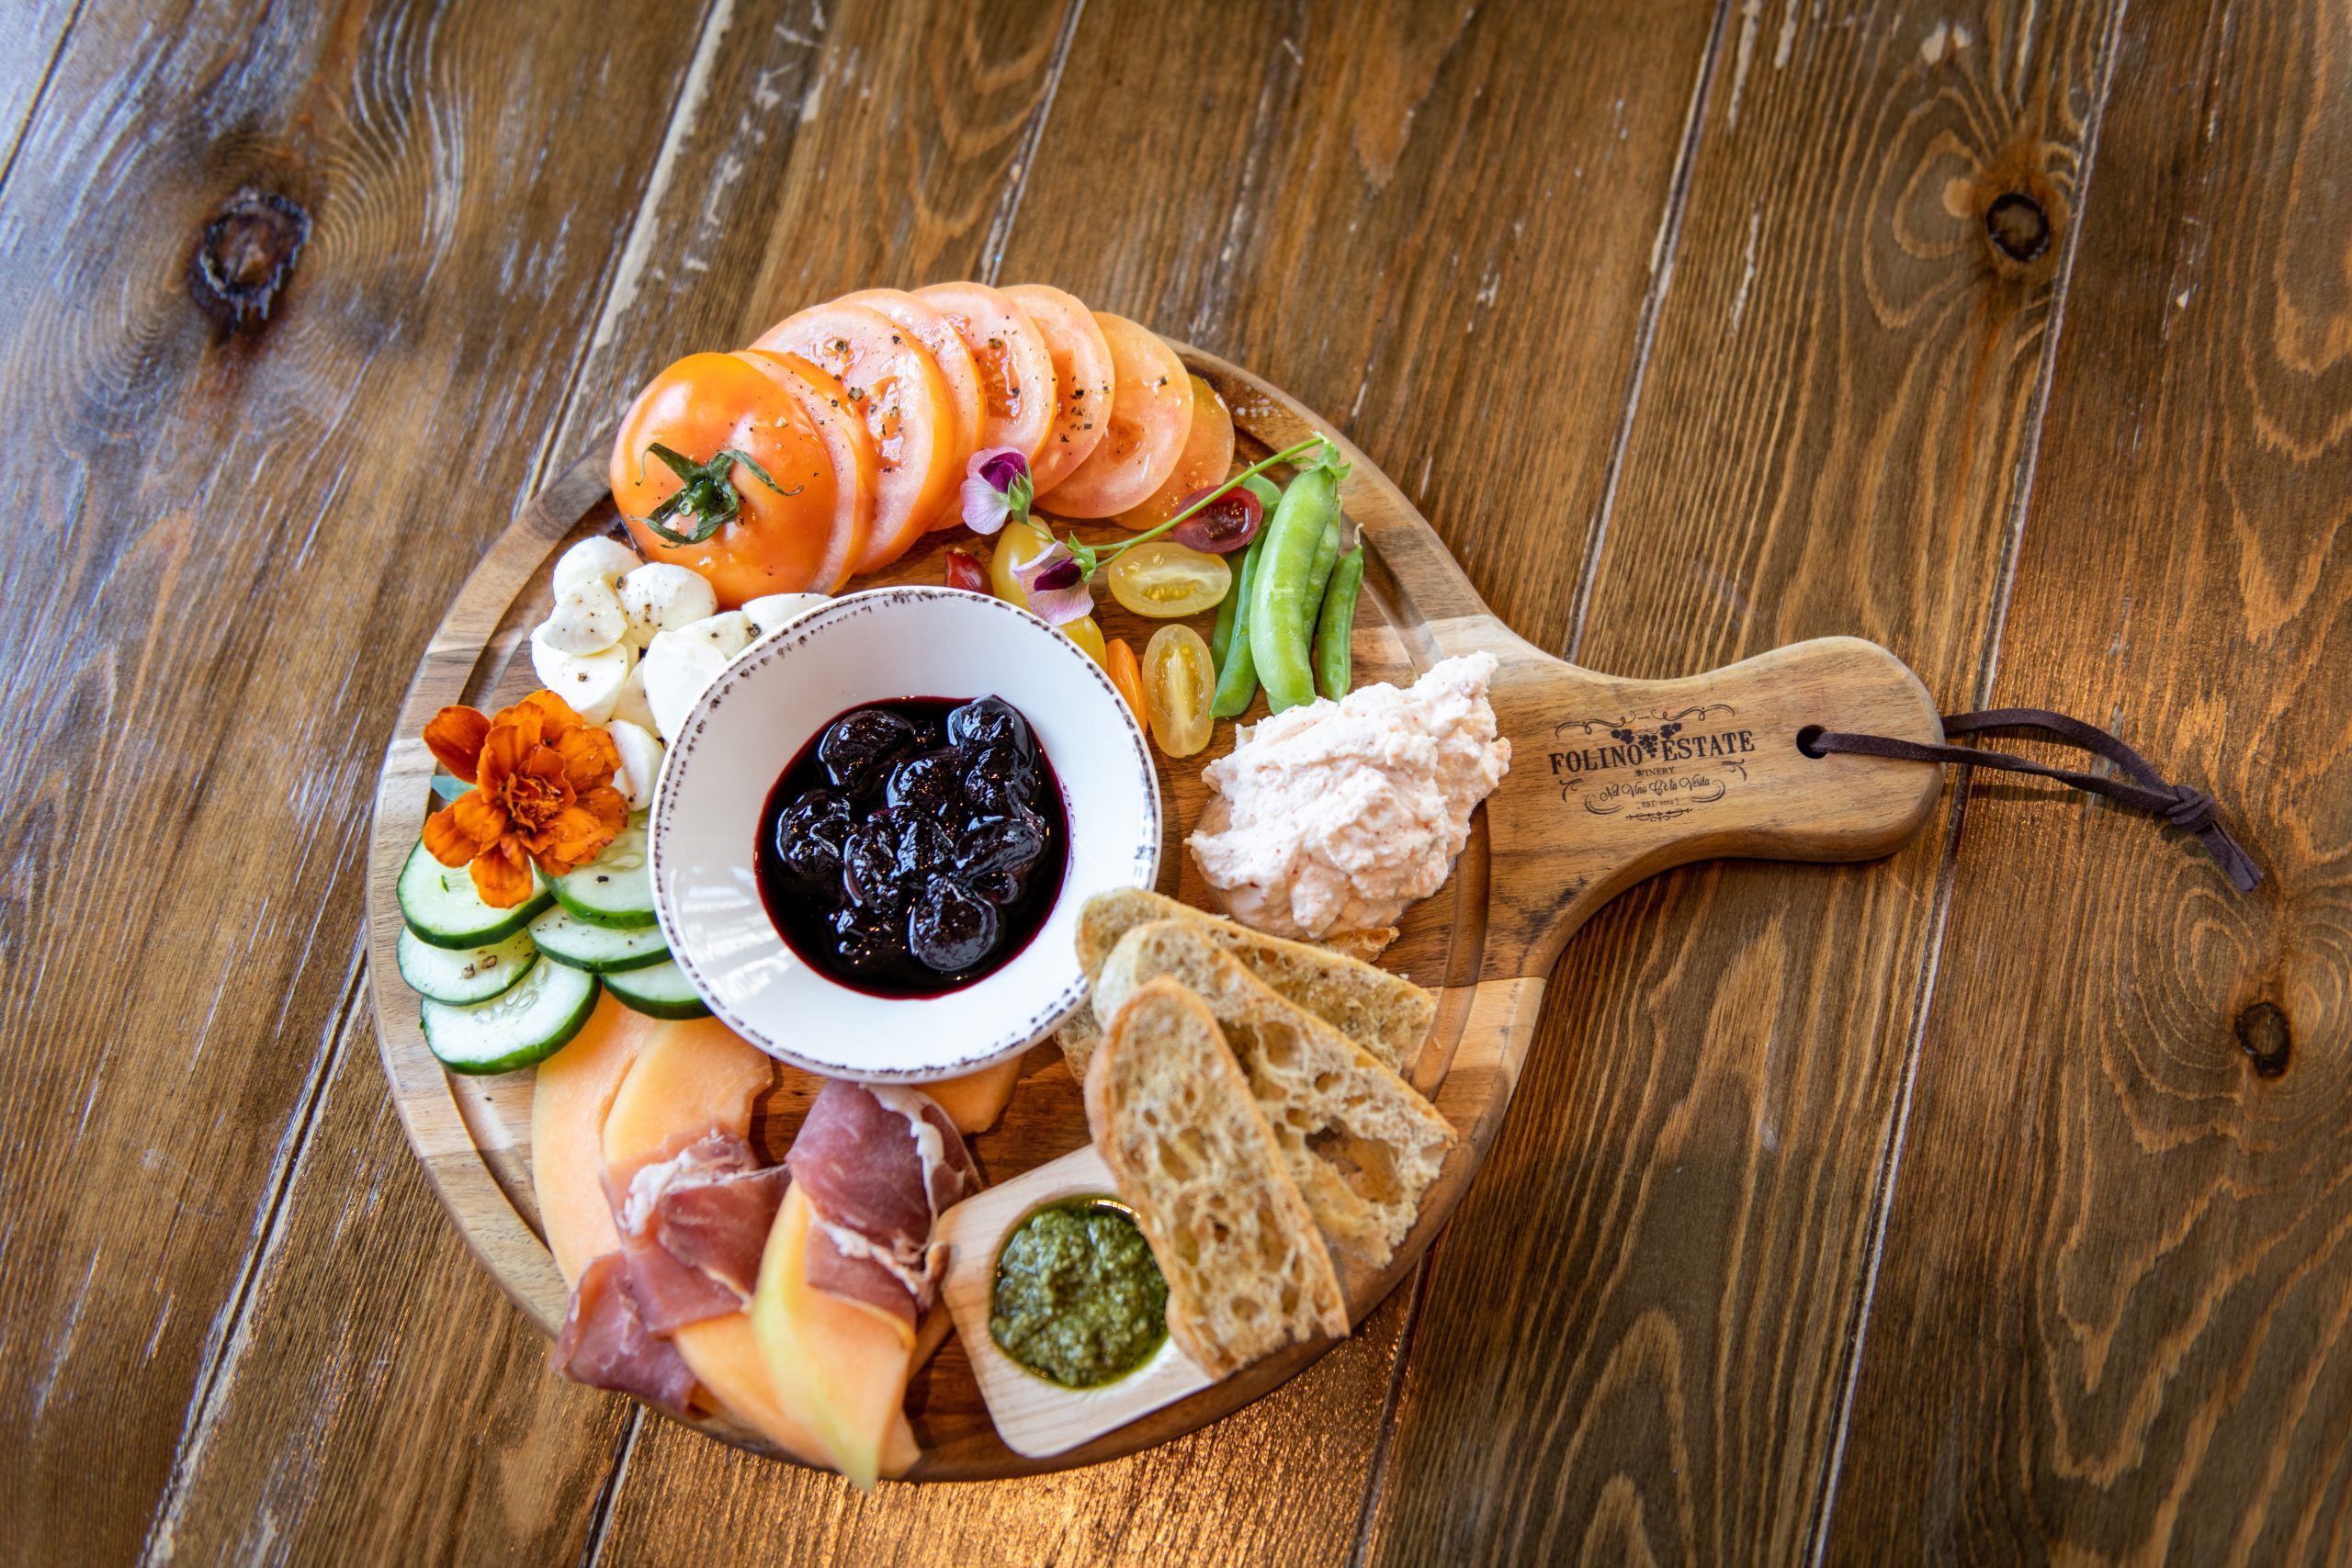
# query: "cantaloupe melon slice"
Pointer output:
{"type": "Point", "coordinates": [689, 1078]}
{"type": "Point", "coordinates": [725, 1355]}
{"type": "Point", "coordinates": [975, 1101]}
{"type": "Point", "coordinates": [840, 1366]}
{"type": "Point", "coordinates": [573, 1091]}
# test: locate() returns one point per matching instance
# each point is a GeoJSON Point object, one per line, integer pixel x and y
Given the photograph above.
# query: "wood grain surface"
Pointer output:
{"type": "Point", "coordinates": [2133, 1341]}
{"type": "Point", "coordinates": [1682, 1215]}
{"type": "Point", "coordinates": [1987, 1204]}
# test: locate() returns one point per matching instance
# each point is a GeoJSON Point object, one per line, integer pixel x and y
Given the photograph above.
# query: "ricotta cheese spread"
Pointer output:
{"type": "Point", "coordinates": [1340, 814]}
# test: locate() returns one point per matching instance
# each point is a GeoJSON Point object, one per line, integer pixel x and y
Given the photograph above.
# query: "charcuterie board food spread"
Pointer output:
{"type": "Point", "coordinates": [969, 897]}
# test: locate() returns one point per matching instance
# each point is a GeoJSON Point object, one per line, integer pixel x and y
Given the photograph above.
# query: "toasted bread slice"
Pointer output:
{"type": "Point", "coordinates": [1362, 1144]}
{"type": "Point", "coordinates": [1364, 946]}
{"type": "Point", "coordinates": [1174, 1118]}
{"type": "Point", "coordinates": [1386, 1014]}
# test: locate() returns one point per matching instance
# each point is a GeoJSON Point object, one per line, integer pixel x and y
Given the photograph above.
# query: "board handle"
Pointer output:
{"type": "Point", "coordinates": [1614, 780]}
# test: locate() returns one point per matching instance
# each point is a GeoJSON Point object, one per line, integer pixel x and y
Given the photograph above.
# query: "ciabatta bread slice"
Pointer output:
{"type": "Point", "coordinates": [1386, 1014]}
{"type": "Point", "coordinates": [1191, 1154]}
{"type": "Point", "coordinates": [1362, 1144]}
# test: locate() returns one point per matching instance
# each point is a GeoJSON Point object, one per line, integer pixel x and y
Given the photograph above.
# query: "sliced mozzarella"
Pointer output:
{"type": "Point", "coordinates": [641, 756]}
{"type": "Point", "coordinates": [773, 611]}
{"type": "Point", "coordinates": [589, 682]}
{"type": "Point", "coordinates": [598, 560]}
{"type": "Point", "coordinates": [660, 597]}
{"type": "Point", "coordinates": [677, 666]}
{"type": "Point", "coordinates": [729, 633]}
{"type": "Point", "coordinates": [630, 705]}
{"type": "Point", "coordinates": [587, 618]}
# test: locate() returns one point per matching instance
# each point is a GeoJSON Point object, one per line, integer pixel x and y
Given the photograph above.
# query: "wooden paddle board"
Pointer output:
{"type": "Point", "coordinates": [1611, 781]}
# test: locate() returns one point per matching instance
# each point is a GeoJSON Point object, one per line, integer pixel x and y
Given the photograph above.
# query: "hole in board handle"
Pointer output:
{"type": "Point", "coordinates": [1805, 739]}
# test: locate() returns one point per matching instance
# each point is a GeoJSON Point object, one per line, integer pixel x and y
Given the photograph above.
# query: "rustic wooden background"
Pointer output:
{"type": "Point", "coordinates": [1991, 1204]}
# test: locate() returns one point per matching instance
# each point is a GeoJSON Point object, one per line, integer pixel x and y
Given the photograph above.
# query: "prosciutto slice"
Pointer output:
{"type": "Point", "coordinates": [693, 1227]}
{"type": "Point", "coordinates": [606, 1342]}
{"type": "Point", "coordinates": [879, 1164]}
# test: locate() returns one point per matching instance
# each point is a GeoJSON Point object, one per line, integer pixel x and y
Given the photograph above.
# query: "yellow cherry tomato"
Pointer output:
{"type": "Point", "coordinates": [1127, 675]}
{"type": "Point", "coordinates": [1165, 579]}
{"type": "Point", "coordinates": [1015, 547]}
{"type": "Point", "coordinates": [1179, 679]}
{"type": "Point", "coordinates": [1088, 634]}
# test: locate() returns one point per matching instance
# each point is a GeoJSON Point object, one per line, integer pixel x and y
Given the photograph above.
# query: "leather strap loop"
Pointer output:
{"type": "Point", "coordinates": [2184, 805]}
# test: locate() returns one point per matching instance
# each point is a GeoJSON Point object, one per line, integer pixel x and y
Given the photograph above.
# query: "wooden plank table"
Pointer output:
{"type": "Point", "coordinates": [1991, 1202]}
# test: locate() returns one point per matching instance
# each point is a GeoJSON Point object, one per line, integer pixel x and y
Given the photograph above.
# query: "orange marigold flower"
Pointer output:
{"type": "Point", "coordinates": [543, 793]}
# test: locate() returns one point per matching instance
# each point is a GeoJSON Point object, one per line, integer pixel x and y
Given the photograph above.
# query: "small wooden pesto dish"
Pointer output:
{"type": "Point", "coordinates": [1061, 1308]}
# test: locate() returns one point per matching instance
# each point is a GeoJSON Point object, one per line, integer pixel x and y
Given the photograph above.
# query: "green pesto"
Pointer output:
{"type": "Point", "coordinates": [1078, 1300]}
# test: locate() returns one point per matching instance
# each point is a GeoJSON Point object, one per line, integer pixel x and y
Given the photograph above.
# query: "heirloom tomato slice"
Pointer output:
{"type": "Point", "coordinates": [1083, 381]}
{"type": "Point", "coordinates": [932, 331]}
{"type": "Point", "coordinates": [1015, 364]}
{"type": "Point", "coordinates": [899, 391]}
{"type": "Point", "coordinates": [1151, 420]}
{"type": "Point", "coordinates": [1206, 459]}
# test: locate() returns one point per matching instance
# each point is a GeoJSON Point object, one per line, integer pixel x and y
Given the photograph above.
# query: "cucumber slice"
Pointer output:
{"type": "Point", "coordinates": [465, 975]}
{"type": "Point", "coordinates": [526, 1024]}
{"type": "Point", "coordinates": [615, 889]}
{"type": "Point", "coordinates": [599, 950]}
{"type": "Point", "coordinates": [661, 991]}
{"type": "Point", "coordinates": [441, 906]}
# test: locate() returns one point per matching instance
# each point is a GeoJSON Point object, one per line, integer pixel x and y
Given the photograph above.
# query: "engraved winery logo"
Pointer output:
{"type": "Point", "coordinates": [1652, 767]}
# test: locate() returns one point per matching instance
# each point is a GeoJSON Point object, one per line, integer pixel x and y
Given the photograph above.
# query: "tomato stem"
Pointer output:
{"type": "Point", "coordinates": [706, 492]}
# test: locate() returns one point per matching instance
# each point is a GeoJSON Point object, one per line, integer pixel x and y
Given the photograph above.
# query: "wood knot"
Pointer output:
{"type": "Point", "coordinates": [2017, 225]}
{"type": "Point", "coordinates": [247, 256]}
{"type": "Point", "coordinates": [2264, 1036]}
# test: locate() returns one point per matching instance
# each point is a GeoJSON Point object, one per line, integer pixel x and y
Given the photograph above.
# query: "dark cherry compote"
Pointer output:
{"type": "Point", "coordinates": [915, 845]}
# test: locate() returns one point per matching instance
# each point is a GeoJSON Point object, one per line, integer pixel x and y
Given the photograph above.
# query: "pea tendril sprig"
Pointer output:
{"type": "Point", "coordinates": [1058, 580]}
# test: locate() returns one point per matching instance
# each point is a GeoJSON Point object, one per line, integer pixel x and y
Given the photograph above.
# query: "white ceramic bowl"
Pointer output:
{"type": "Point", "coordinates": [862, 647]}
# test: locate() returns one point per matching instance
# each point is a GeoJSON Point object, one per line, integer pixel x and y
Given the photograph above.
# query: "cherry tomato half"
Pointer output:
{"type": "Point", "coordinates": [965, 572]}
{"type": "Point", "coordinates": [1179, 679]}
{"type": "Point", "coordinates": [1163, 580]}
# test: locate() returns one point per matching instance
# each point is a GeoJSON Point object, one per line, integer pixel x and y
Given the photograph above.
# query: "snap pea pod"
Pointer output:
{"type": "Point", "coordinates": [1237, 671]}
{"type": "Point", "coordinates": [1228, 614]}
{"type": "Point", "coordinates": [1269, 493]}
{"type": "Point", "coordinates": [1286, 595]}
{"type": "Point", "coordinates": [1335, 628]}
{"type": "Point", "coordinates": [1326, 556]}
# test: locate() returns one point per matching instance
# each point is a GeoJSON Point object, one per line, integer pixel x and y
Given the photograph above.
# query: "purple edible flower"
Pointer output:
{"type": "Point", "coordinates": [1057, 586]}
{"type": "Point", "coordinates": [996, 486]}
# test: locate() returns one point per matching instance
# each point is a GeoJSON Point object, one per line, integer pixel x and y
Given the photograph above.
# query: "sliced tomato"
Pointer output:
{"type": "Point", "coordinates": [1016, 365]}
{"type": "Point", "coordinates": [1207, 459]}
{"type": "Point", "coordinates": [789, 537]}
{"type": "Point", "coordinates": [1083, 381]}
{"type": "Point", "coordinates": [827, 404]}
{"type": "Point", "coordinates": [1151, 419]}
{"type": "Point", "coordinates": [934, 334]}
{"type": "Point", "coordinates": [899, 389]}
